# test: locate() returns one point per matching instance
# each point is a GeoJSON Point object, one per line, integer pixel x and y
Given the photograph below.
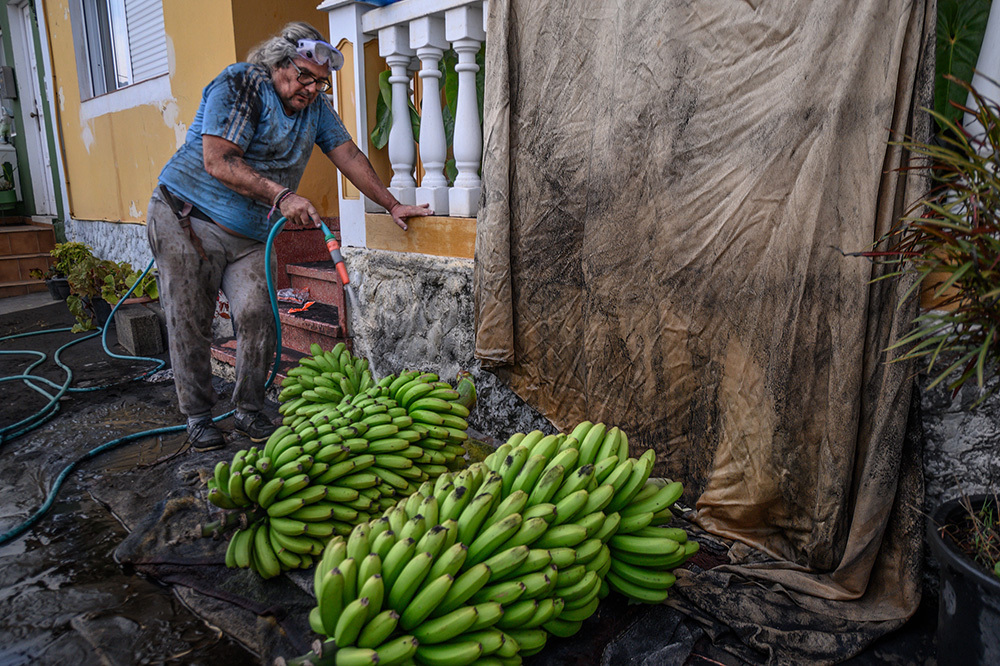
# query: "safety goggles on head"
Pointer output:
{"type": "Point", "coordinates": [321, 53]}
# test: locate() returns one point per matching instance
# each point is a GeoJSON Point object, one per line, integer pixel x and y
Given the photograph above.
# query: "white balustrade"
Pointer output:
{"type": "Point", "coordinates": [414, 34]}
{"type": "Point", "coordinates": [394, 46]}
{"type": "Point", "coordinates": [464, 29]}
{"type": "Point", "coordinates": [427, 36]}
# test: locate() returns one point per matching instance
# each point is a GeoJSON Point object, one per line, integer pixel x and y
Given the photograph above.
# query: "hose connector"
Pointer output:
{"type": "Point", "coordinates": [334, 248]}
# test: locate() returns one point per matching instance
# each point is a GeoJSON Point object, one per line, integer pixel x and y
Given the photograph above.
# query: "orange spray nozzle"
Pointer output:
{"type": "Point", "coordinates": [338, 259]}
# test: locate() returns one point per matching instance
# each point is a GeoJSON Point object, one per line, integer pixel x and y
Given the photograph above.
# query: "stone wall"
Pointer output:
{"type": "Point", "coordinates": [962, 445]}
{"type": "Point", "coordinates": [414, 312]}
{"type": "Point", "coordinates": [117, 241]}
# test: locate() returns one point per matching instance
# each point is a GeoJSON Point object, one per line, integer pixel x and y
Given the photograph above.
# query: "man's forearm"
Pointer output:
{"type": "Point", "coordinates": [359, 171]}
{"type": "Point", "coordinates": [226, 164]}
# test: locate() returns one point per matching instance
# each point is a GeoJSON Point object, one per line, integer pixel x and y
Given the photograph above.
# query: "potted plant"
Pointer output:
{"type": "Point", "coordinates": [8, 195]}
{"type": "Point", "coordinates": [951, 240]}
{"type": "Point", "coordinates": [65, 256]}
{"type": "Point", "coordinates": [98, 284]}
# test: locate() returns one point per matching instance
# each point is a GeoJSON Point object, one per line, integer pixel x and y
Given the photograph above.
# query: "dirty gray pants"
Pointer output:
{"type": "Point", "coordinates": [189, 288]}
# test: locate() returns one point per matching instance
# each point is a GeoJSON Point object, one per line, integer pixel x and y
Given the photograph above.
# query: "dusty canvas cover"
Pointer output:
{"type": "Point", "coordinates": [667, 190]}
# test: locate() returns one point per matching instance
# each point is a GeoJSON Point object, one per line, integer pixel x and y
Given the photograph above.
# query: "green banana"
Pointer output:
{"type": "Point", "coordinates": [465, 587]}
{"type": "Point", "coordinates": [351, 621]}
{"type": "Point", "coordinates": [516, 614]}
{"type": "Point", "coordinates": [506, 561]}
{"type": "Point", "coordinates": [570, 506]}
{"type": "Point", "coordinates": [449, 654]}
{"type": "Point", "coordinates": [408, 582]}
{"type": "Point", "coordinates": [447, 626]}
{"type": "Point", "coordinates": [264, 557]}
{"type": "Point", "coordinates": [397, 651]}
{"type": "Point", "coordinates": [635, 592]}
{"type": "Point", "coordinates": [512, 504]}
{"type": "Point", "coordinates": [378, 629]}
{"type": "Point", "coordinates": [490, 539]}
{"type": "Point", "coordinates": [425, 601]}
{"type": "Point", "coordinates": [567, 535]}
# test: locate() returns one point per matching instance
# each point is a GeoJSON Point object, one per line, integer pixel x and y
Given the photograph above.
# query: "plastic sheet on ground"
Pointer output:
{"type": "Point", "coordinates": [667, 191]}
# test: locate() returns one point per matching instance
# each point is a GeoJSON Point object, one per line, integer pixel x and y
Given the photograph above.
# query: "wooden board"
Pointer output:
{"type": "Point", "coordinates": [436, 235]}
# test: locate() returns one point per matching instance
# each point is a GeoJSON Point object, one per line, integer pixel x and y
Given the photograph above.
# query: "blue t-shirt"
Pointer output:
{"type": "Point", "coordinates": [241, 106]}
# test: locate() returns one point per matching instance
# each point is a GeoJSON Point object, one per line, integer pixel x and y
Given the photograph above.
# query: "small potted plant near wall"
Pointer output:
{"type": "Point", "coordinates": [8, 195]}
{"type": "Point", "coordinates": [98, 284]}
{"type": "Point", "coordinates": [65, 256]}
{"type": "Point", "coordinates": [951, 240]}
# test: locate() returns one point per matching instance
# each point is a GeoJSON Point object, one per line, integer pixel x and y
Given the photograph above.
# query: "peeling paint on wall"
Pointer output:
{"type": "Point", "coordinates": [86, 135]}
{"type": "Point", "coordinates": [62, 100]}
{"type": "Point", "coordinates": [133, 210]}
{"type": "Point", "coordinates": [171, 112]}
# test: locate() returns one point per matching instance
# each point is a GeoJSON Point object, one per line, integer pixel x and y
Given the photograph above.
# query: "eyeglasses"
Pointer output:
{"type": "Point", "coordinates": [322, 85]}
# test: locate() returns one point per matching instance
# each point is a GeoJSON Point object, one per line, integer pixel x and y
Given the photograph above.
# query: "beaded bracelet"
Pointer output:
{"type": "Point", "coordinates": [279, 197]}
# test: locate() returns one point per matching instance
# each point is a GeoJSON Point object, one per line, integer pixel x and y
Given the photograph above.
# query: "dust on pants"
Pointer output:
{"type": "Point", "coordinates": [189, 287]}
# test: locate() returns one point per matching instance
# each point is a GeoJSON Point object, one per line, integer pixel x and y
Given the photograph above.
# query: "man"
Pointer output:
{"type": "Point", "coordinates": [217, 198]}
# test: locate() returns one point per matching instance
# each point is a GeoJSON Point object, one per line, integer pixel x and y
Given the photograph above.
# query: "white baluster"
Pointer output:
{"type": "Point", "coordinates": [464, 29]}
{"type": "Point", "coordinates": [394, 46]}
{"type": "Point", "coordinates": [427, 37]}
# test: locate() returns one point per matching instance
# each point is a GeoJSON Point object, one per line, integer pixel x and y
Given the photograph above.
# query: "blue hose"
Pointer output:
{"type": "Point", "coordinates": [50, 409]}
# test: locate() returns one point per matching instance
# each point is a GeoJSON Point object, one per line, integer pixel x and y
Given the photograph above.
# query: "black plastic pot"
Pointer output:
{"type": "Point", "coordinates": [58, 288]}
{"type": "Point", "coordinates": [969, 599]}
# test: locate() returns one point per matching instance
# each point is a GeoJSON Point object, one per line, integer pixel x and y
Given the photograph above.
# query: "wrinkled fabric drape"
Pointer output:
{"type": "Point", "coordinates": [668, 188]}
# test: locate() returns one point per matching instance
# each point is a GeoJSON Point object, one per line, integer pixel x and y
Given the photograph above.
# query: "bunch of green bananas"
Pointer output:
{"type": "Point", "coordinates": [323, 473]}
{"type": "Point", "coordinates": [327, 376]}
{"type": "Point", "coordinates": [488, 561]}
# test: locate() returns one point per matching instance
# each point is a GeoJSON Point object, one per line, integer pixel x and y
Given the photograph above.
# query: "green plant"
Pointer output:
{"type": "Point", "coordinates": [66, 255]}
{"type": "Point", "coordinates": [960, 28]}
{"type": "Point", "coordinates": [954, 233]}
{"type": "Point", "coordinates": [93, 278]}
{"type": "Point", "coordinates": [977, 534]}
{"type": "Point", "coordinates": [7, 182]}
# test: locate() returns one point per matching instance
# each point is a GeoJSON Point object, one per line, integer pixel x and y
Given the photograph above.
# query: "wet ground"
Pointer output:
{"type": "Point", "coordinates": [64, 599]}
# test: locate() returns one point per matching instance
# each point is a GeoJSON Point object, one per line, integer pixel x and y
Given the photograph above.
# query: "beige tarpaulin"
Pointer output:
{"type": "Point", "coordinates": [667, 186]}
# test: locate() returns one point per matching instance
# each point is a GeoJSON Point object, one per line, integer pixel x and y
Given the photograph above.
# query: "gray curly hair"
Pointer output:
{"type": "Point", "coordinates": [278, 51]}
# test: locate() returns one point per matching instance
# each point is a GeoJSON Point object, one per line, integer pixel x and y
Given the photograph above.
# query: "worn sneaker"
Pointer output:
{"type": "Point", "coordinates": [204, 436]}
{"type": "Point", "coordinates": [254, 425]}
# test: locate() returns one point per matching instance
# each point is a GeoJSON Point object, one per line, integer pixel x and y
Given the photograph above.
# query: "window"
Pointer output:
{"type": "Point", "coordinates": [118, 43]}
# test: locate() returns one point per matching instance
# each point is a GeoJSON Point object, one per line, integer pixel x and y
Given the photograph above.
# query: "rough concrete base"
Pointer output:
{"type": "Point", "coordinates": [414, 312]}
{"type": "Point", "coordinates": [962, 446]}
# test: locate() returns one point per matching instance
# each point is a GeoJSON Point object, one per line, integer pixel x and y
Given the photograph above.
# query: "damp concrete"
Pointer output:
{"type": "Point", "coordinates": [66, 598]}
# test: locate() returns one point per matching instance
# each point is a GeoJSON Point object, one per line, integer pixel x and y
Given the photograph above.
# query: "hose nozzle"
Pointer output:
{"type": "Point", "coordinates": [334, 248]}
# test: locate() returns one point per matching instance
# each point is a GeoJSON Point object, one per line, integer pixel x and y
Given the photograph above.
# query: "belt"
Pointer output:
{"type": "Point", "coordinates": [184, 212]}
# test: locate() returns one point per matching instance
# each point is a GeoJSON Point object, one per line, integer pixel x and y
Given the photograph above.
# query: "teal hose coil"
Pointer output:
{"type": "Point", "coordinates": [28, 424]}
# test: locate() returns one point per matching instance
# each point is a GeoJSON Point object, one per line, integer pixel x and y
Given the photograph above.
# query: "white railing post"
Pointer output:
{"type": "Point", "coordinates": [352, 103]}
{"type": "Point", "coordinates": [464, 29]}
{"type": "Point", "coordinates": [427, 37]}
{"type": "Point", "coordinates": [394, 46]}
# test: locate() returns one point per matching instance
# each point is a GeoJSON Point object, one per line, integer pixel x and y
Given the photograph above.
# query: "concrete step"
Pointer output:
{"type": "Point", "coordinates": [298, 331]}
{"type": "Point", "coordinates": [319, 324]}
{"type": "Point", "coordinates": [320, 278]}
{"type": "Point", "coordinates": [224, 351]}
{"type": "Point", "coordinates": [21, 288]}
{"type": "Point", "coordinates": [27, 239]}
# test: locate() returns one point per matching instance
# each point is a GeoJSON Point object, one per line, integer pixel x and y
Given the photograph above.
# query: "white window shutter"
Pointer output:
{"type": "Point", "coordinates": [147, 39]}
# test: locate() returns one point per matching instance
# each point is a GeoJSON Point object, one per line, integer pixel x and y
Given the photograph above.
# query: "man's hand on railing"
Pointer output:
{"type": "Point", "coordinates": [401, 213]}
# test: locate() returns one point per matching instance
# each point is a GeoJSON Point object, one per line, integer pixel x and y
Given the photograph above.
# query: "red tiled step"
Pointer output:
{"type": "Point", "coordinates": [225, 350]}
{"type": "Point", "coordinates": [319, 324]}
{"type": "Point", "coordinates": [320, 278]}
{"type": "Point", "coordinates": [302, 245]}
{"type": "Point", "coordinates": [28, 239]}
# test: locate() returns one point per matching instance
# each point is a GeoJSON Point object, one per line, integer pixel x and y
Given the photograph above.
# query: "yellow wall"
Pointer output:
{"type": "Point", "coordinates": [112, 161]}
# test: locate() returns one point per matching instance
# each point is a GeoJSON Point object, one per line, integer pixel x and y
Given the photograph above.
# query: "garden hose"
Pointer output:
{"type": "Point", "coordinates": [49, 410]}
